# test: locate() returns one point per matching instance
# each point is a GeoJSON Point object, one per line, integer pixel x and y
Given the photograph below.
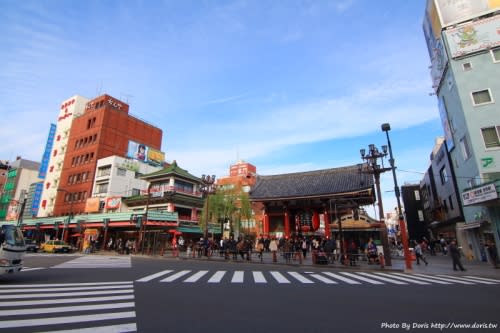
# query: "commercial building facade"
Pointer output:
{"type": "Point", "coordinates": [464, 48]}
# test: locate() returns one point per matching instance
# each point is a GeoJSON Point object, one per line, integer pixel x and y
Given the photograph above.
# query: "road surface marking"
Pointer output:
{"type": "Point", "coordinates": [66, 320]}
{"type": "Point", "coordinates": [410, 280]}
{"type": "Point", "coordinates": [119, 328]}
{"type": "Point", "coordinates": [341, 278]}
{"type": "Point", "coordinates": [370, 275]}
{"type": "Point", "coordinates": [323, 279]}
{"type": "Point", "coordinates": [50, 295]}
{"type": "Point", "coordinates": [481, 278]}
{"type": "Point", "coordinates": [60, 309]}
{"type": "Point", "coordinates": [428, 279]}
{"type": "Point", "coordinates": [217, 277]}
{"type": "Point", "coordinates": [299, 277]}
{"type": "Point", "coordinates": [279, 277]}
{"type": "Point", "coordinates": [238, 277]}
{"type": "Point", "coordinates": [196, 277]}
{"type": "Point", "coordinates": [5, 291]}
{"type": "Point", "coordinates": [446, 279]}
{"type": "Point", "coordinates": [361, 278]}
{"type": "Point", "coordinates": [63, 284]}
{"type": "Point", "coordinates": [258, 277]}
{"type": "Point", "coordinates": [65, 301]}
{"type": "Point", "coordinates": [154, 276]}
{"type": "Point", "coordinates": [469, 280]}
{"type": "Point", "coordinates": [175, 276]}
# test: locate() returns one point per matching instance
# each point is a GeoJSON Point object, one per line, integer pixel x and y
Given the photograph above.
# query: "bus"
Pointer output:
{"type": "Point", "coordinates": [12, 248]}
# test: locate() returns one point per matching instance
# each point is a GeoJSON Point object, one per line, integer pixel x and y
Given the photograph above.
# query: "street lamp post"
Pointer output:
{"type": "Point", "coordinates": [207, 187]}
{"type": "Point", "coordinates": [373, 167]}
{"type": "Point", "coordinates": [402, 225]}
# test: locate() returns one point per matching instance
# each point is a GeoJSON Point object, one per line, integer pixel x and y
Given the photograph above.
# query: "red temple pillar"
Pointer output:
{"type": "Point", "coordinates": [327, 223]}
{"type": "Point", "coordinates": [265, 227]}
{"type": "Point", "coordinates": [287, 224]}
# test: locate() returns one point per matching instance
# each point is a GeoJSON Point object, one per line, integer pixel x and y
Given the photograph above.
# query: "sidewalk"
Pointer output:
{"type": "Point", "coordinates": [439, 264]}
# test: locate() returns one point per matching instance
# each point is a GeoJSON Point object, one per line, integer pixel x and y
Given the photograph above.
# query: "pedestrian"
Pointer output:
{"type": "Point", "coordinates": [419, 254]}
{"type": "Point", "coordinates": [493, 253]}
{"type": "Point", "coordinates": [455, 256]}
{"type": "Point", "coordinates": [273, 247]}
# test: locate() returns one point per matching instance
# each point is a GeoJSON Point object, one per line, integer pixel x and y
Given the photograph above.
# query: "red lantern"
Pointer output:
{"type": "Point", "coordinates": [315, 220]}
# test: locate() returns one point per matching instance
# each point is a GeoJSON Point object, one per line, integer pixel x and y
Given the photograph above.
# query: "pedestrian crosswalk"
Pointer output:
{"type": "Point", "coordinates": [76, 307]}
{"type": "Point", "coordinates": [291, 277]}
{"type": "Point", "coordinates": [97, 262]}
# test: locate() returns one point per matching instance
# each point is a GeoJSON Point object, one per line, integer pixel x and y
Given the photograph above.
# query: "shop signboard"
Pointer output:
{"type": "Point", "coordinates": [480, 194]}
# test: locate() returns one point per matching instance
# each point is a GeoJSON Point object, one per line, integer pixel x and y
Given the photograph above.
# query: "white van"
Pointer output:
{"type": "Point", "coordinates": [12, 248]}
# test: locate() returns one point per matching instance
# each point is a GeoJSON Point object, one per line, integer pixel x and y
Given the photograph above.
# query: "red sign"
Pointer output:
{"type": "Point", "coordinates": [113, 202]}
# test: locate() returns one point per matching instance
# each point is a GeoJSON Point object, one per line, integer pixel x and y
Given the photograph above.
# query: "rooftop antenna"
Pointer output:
{"type": "Point", "coordinates": [127, 96]}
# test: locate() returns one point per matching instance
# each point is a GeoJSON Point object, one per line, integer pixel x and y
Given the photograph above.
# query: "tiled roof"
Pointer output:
{"type": "Point", "coordinates": [172, 169]}
{"type": "Point", "coordinates": [312, 183]}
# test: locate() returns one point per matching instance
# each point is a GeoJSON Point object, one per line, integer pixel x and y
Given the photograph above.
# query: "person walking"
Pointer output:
{"type": "Point", "coordinates": [273, 247]}
{"type": "Point", "coordinates": [455, 256]}
{"type": "Point", "coordinates": [493, 253]}
{"type": "Point", "coordinates": [419, 254]}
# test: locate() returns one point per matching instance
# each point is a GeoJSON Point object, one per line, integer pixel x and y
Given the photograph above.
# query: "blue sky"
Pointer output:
{"type": "Point", "coordinates": [285, 85]}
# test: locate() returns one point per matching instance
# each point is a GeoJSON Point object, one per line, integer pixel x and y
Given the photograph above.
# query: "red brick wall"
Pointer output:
{"type": "Point", "coordinates": [102, 131]}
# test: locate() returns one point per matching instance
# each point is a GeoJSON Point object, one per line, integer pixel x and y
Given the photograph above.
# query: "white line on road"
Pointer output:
{"type": "Point", "coordinates": [196, 277]}
{"type": "Point", "coordinates": [175, 276]}
{"type": "Point", "coordinates": [66, 320]}
{"type": "Point", "coordinates": [362, 278]}
{"type": "Point", "coordinates": [420, 278]}
{"type": "Point", "coordinates": [63, 284]}
{"type": "Point", "coordinates": [60, 309]}
{"type": "Point", "coordinates": [471, 280]}
{"type": "Point", "coordinates": [83, 293]}
{"type": "Point", "coordinates": [300, 277]}
{"type": "Point", "coordinates": [341, 278]}
{"type": "Point", "coordinates": [323, 279]}
{"type": "Point", "coordinates": [411, 280]}
{"type": "Point", "coordinates": [382, 278]}
{"type": "Point", "coordinates": [258, 277]}
{"type": "Point", "coordinates": [119, 328]}
{"type": "Point", "coordinates": [66, 301]}
{"type": "Point", "coordinates": [450, 279]}
{"type": "Point", "coordinates": [5, 291]}
{"type": "Point", "coordinates": [217, 277]}
{"type": "Point", "coordinates": [279, 277]}
{"type": "Point", "coordinates": [481, 278]}
{"type": "Point", "coordinates": [238, 277]}
{"type": "Point", "coordinates": [154, 276]}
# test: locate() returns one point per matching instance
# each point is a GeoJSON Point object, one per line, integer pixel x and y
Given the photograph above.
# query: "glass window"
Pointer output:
{"type": "Point", "coordinates": [417, 195]}
{"type": "Point", "coordinates": [491, 137]}
{"type": "Point", "coordinates": [467, 66]}
{"type": "Point", "coordinates": [464, 145]}
{"type": "Point", "coordinates": [420, 215]}
{"type": "Point", "coordinates": [104, 171]}
{"type": "Point", "coordinates": [102, 188]}
{"type": "Point", "coordinates": [481, 97]}
{"type": "Point", "coordinates": [443, 174]}
{"type": "Point", "coordinates": [121, 172]}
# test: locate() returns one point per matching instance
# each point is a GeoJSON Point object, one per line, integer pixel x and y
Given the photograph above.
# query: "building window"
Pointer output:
{"type": "Point", "coordinates": [467, 66]}
{"type": "Point", "coordinates": [464, 145]}
{"type": "Point", "coordinates": [445, 206]}
{"type": "Point", "coordinates": [183, 186]}
{"type": "Point", "coordinates": [121, 172]}
{"type": "Point", "coordinates": [451, 202]}
{"type": "Point", "coordinates": [491, 136]}
{"type": "Point", "coordinates": [443, 174]}
{"type": "Point", "coordinates": [104, 171]}
{"type": "Point", "coordinates": [102, 188]}
{"type": "Point", "coordinates": [136, 192]}
{"type": "Point", "coordinates": [495, 53]}
{"type": "Point", "coordinates": [417, 195]}
{"type": "Point", "coordinates": [55, 152]}
{"type": "Point", "coordinates": [481, 97]}
{"type": "Point", "coordinates": [420, 215]}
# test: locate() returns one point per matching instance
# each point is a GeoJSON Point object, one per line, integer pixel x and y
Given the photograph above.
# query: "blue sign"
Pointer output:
{"type": "Point", "coordinates": [42, 172]}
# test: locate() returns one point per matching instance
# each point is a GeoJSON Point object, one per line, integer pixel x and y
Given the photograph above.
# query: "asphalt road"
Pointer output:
{"type": "Point", "coordinates": [157, 295]}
